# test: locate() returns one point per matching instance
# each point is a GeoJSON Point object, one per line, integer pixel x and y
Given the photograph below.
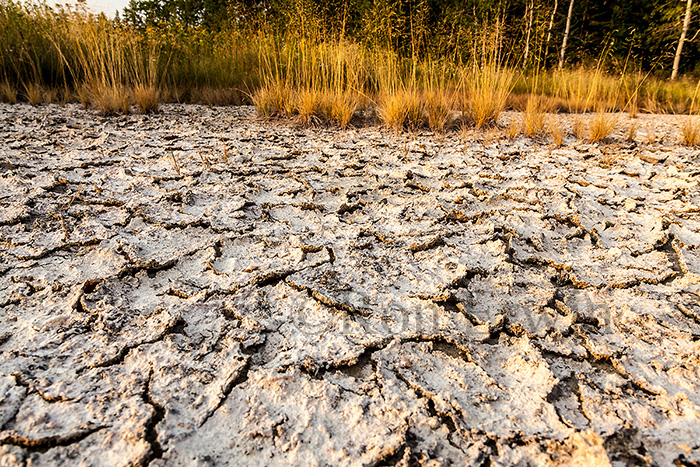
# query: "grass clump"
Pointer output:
{"type": "Point", "coordinates": [109, 99]}
{"type": "Point", "coordinates": [401, 109]}
{"type": "Point", "coordinates": [147, 98]}
{"type": "Point", "coordinates": [535, 116]}
{"type": "Point", "coordinates": [34, 93]}
{"type": "Point", "coordinates": [556, 132]}
{"type": "Point", "coordinates": [340, 107]}
{"type": "Point", "coordinates": [602, 126]}
{"type": "Point", "coordinates": [486, 93]}
{"type": "Point", "coordinates": [690, 132]}
{"type": "Point", "coordinates": [8, 93]}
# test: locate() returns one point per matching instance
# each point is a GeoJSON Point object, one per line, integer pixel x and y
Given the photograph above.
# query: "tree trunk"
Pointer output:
{"type": "Point", "coordinates": [566, 35]}
{"type": "Point", "coordinates": [549, 31]}
{"type": "Point", "coordinates": [530, 9]}
{"type": "Point", "coordinates": [686, 23]}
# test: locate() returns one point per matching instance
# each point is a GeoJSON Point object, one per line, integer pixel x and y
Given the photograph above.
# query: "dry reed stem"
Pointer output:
{"type": "Point", "coordinates": [176, 166]}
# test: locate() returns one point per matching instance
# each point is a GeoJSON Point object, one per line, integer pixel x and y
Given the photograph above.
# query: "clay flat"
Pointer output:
{"type": "Point", "coordinates": [200, 287]}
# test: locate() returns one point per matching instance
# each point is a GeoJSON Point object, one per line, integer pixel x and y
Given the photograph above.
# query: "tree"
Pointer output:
{"type": "Point", "coordinates": [529, 12]}
{"type": "Point", "coordinates": [211, 13]}
{"type": "Point", "coordinates": [684, 32]}
{"type": "Point", "coordinates": [566, 35]}
{"type": "Point", "coordinates": [549, 29]}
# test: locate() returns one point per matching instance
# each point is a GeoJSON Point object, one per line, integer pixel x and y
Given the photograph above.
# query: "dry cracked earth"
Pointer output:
{"type": "Point", "coordinates": [203, 288]}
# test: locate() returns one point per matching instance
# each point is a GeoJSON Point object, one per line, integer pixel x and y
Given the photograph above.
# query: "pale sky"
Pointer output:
{"type": "Point", "coordinates": [106, 6]}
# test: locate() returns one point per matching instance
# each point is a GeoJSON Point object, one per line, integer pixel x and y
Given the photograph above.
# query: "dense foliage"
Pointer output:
{"type": "Point", "coordinates": [637, 34]}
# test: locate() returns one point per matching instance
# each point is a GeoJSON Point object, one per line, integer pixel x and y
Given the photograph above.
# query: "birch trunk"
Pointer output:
{"type": "Point", "coordinates": [530, 10]}
{"type": "Point", "coordinates": [686, 24]}
{"type": "Point", "coordinates": [549, 30]}
{"type": "Point", "coordinates": [566, 35]}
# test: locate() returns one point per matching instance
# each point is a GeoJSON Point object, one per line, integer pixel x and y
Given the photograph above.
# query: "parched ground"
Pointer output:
{"type": "Point", "coordinates": [202, 288]}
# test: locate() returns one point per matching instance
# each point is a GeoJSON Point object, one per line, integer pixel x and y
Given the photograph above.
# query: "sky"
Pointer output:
{"type": "Point", "coordinates": [106, 6]}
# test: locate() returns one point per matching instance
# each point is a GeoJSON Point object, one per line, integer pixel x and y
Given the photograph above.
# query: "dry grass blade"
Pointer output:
{"type": "Point", "coordinates": [176, 166]}
{"type": "Point", "coordinates": [609, 158]}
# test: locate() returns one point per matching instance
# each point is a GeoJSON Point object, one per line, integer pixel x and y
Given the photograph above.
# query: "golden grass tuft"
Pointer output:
{"type": "Point", "coordinates": [147, 98]}
{"type": "Point", "coordinates": [8, 93]}
{"type": "Point", "coordinates": [309, 103]}
{"type": "Point", "coordinates": [513, 130]}
{"type": "Point", "coordinates": [34, 93]}
{"type": "Point", "coordinates": [438, 106]}
{"type": "Point", "coordinates": [556, 132]}
{"type": "Point", "coordinates": [603, 125]}
{"type": "Point", "coordinates": [402, 109]}
{"type": "Point", "coordinates": [486, 92]}
{"type": "Point", "coordinates": [578, 127]}
{"type": "Point", "coordinates": [109, 100]}
{"type": "Point", "coordinates": [50, 95]}
{"type": "Point", "coordinates": [340, 107]}
{"type": "Point", "coordinates": [690, 132]}
{"type": "Point", "coordinates": [535, 116]}
{"type": "Point", "coordinates": [272, 99]}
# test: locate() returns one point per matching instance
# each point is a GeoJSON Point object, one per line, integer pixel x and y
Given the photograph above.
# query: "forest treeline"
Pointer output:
{"type": "Point", "coordinates": [628, 34]}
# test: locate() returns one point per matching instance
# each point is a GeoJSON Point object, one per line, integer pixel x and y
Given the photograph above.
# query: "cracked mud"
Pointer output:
{"type": "Point", "coordinates": [201, 288]}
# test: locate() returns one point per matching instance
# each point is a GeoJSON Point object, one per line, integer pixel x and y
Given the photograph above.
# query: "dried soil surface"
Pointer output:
{"type": "Point", "coordinates": [202, 288]}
